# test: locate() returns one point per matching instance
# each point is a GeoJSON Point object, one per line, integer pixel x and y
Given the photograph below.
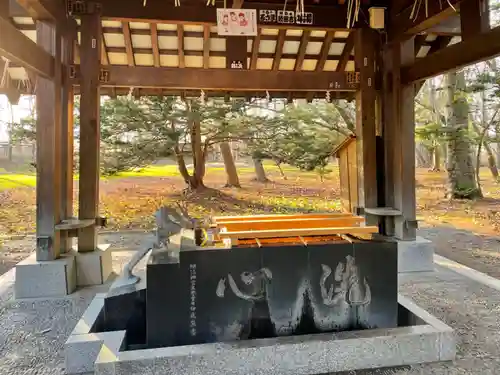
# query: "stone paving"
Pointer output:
{"type": "Point", "coordinates": [32, 333]}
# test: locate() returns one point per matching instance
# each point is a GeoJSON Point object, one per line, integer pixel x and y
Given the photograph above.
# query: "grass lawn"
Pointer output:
{"type": "Point", "coordinates": [130, 199]}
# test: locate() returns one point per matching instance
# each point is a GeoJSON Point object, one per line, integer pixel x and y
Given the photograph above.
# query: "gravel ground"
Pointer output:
{"type": "Point", "coordinates": [32, 334]}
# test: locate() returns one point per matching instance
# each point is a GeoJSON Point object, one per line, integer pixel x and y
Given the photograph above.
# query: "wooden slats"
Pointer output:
{"type": "Point", "coordinates": [233, 226]}
{"type": "Point", "coordinates": [297, 232]}
{"type": "Point", "coordinates": [225, 219]}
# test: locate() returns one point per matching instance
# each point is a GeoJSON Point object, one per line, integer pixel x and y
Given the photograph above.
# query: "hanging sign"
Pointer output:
{"type": "Point", "coordinates": [236, 21]}
{"type": "Point", "coordinates": [287, 17]}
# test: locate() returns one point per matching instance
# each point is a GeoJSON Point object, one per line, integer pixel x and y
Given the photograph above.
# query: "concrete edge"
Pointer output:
{"type": "Point", "coordinates": [430, 342]}
{"type": "Point", "coordinates": [470, 273]}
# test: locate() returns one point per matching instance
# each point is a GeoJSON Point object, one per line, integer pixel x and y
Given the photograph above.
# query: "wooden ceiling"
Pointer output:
{"type": "Point", "coordinates": [158, 44]}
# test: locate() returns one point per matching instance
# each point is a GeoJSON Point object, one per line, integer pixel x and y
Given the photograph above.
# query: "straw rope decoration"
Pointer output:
{"type": "Point", "coordinates": [4, 73]}
{"type": "Point", "coordinates": [418, 4]}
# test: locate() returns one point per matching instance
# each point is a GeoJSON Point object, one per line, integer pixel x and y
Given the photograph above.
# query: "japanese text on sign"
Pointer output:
{"type": "Point", "coordinates": [192, 305]}
{"type": "Point", "coordinates": [285, 17]}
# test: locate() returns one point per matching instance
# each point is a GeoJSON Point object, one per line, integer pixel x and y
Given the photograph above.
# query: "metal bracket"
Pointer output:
{"type": "Point", "coordinates": [101, 222]}
{"type": "Point", "coordinates": [44, 244]}
{"type": "Point", "coordinates": [103, 75]}
{"type": "Point", "coordinates": [74, 73]}
{"type": "Point", "coordinates": [82, 7]}
{"type": "Point", "coordinates": [411, 224]}
{"type": "Point", "coordinates": [352, 78]}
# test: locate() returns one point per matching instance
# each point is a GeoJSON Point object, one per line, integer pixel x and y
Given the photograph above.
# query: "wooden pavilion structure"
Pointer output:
{"type": "Point", "coordinates": [56, 48]}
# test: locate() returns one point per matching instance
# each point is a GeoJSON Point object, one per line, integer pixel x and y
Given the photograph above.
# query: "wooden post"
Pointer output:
{"type": "Point", "coordinates": [399, 139]}
{"type": "Point", "coordinates": [67, 143]}
{"type": "Point", "coordinates": [48, 149]}
{"type": "Point", "coordinates": [89, 128]}
{"type": "Point", "coordinates": [365, 44]}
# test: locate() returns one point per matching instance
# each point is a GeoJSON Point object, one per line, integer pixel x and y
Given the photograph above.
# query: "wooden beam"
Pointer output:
{"type": "Point", "coordinates": [477, 48]}
{"type": "Point", "coordinates": [206, 46]}
{"type": "Point", "coordinates": [104, 52]}
{"type": "Point", "coordinates": [48, 152]}
{"type": "Point", "coordinates": [298, 232]}
{"type": "Point", "coordinates": [402, 130]}
{"type": "Point", "coordinates": [128, 44]}
{"type": "Point", "coordinates": [324, 17]}
{"type": "Point", "coordinates": [279, 49]}
{"type": "Point", "coordinates": [180, 45]}
{"type": "Point", "coordinates": [419, 42]}
{"type": "Point", "coordinates": [236, 51]}
{"type": "Point", "coordinates": [154, 44]}
{"type": "Point", "coordinates": [403, 26]}
{"type": "Point", "coordinates": [67, 141]}
{"type": "Point", "coordinates": [226, 80]}
{"type": "Point", "coordinates": [346, 52]}
{"type": "Point", "coordinates": [44, 10]}
{"type": "Point", "coordinates": [366, 41]}
{"type": "Point", "coordinates": [89, 130]}
{"type": "Point", "coordinates": [255, 50]}
{"type": "Point", "coordinates": [302, 50]}
{"type": "Point", "coordinates": [325, 48]}
{"type": "Point", "coordinates": [474, 17]}
{"type": "Point", "coordinates": [20, 49]}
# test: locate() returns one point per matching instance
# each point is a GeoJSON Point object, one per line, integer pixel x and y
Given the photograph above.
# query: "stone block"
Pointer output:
{"type": "Point", "coordinates": [54, 278]}
{"type": "Point", "coordinates": [415, 256]}
{"type": "Point", "coordinates": [94, 268]}
{"type": "Point", "coordinates": [84, 346]}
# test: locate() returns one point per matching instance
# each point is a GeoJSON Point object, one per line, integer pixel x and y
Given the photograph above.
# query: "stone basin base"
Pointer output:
{"type": "Point", "coordinates": [420, 338]}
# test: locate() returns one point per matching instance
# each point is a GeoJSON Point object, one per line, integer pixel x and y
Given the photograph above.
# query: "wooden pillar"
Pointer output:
{"type": "Point", "coordinates": [48, 149]}
{"type": "Point", "coordinates": [399, 139]}
{"type": "Point", "coordinates": [89, 128]}
{"type": "Point", "coordinates": [365, 47]}
{"type": "Point", "coordinates": [67, 143]}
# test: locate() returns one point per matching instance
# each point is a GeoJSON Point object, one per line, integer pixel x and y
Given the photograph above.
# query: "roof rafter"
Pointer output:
{"type": "Point", "coordinates": [325, 48]}
{"type": "Point", "coordinates": [20, 49]}
{"type": "Point", "coordinates": [255, 49]}
{"type": "Point", "coordinates": [476, 48]}
{"type": "Point", "coordinates": [302, 50]}
{"type": "Point", "coordinates": [206, 46]}
{"type": "Point", "coordinates": [346, 52]}
{"type": "Point", "coordinates": [279, 49]}
{"type": "Point", "coordinates": [154, 44]}
{"type": "Point", "coordinates": [128, 43]}
{"type": "Point", "coordinates": [180, 45]}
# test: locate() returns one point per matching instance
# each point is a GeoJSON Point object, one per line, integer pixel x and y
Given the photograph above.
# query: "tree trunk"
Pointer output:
{"type": "Point", "coordinates": [423, 156]}
{"type": "Point", "coordinates": [199, 155]}
{"type": "Point", "coordinates": [461, 176]}
{"type": "Point", "coordinates": [278, 164]}
{"type": "Point", "coordinates": [260, 172]}
{"type": "Point", "coordinates": [436, 158]}
{"type": "Point", "coordinates": [231, 171]}
{"type": "Point", "coordinates": [492, 165]}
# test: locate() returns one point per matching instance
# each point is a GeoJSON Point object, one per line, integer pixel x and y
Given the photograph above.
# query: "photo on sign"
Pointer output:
{"type": "Point", "coordinates": [236, 21]}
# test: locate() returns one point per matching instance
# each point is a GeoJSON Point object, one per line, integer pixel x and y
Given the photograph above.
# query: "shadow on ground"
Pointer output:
{"type": "Point", "coordinates": [477, 251]}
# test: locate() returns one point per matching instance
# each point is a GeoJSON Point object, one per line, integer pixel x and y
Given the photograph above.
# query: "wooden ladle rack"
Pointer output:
{"type": "Point", "coordinates": [302, 229]}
